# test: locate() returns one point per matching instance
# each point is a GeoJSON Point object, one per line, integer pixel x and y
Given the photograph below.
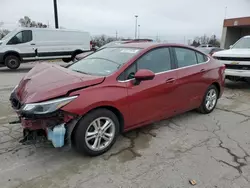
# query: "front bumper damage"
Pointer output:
{"type": "Point", "coordinates": [55, 130]}
{"type": "Point", "coordinates": [56, 127]}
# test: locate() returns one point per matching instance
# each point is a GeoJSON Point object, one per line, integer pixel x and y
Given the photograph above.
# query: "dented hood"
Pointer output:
{"type": "Point", "coordinates": [46, 81]}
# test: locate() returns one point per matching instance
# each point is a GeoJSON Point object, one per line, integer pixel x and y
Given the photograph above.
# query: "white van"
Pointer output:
{"type": "Point", "coordinates": [30, 44]}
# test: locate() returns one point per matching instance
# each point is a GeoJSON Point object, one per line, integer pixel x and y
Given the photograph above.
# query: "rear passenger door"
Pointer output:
{"type": "Point", "coordinates": [191, 72]}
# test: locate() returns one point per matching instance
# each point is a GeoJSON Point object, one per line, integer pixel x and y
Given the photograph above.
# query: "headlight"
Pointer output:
{"type": "Point", "coordinates": [48, 106]}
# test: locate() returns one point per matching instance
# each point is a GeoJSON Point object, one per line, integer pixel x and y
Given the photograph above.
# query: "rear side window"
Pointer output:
{"type": "Point", "coordinates": [185, 57]}
{"type": "Point", "coordinates": [21, 37]}
{"type": "Point", "coordinates": [201, 58]}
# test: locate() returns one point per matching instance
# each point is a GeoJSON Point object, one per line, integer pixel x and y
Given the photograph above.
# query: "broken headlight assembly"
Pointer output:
{"type": "Point", "coordinates": [47, 106]}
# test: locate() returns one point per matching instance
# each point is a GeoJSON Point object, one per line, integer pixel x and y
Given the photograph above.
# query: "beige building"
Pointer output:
{"type": "Point", "coordinates": [233, 30]}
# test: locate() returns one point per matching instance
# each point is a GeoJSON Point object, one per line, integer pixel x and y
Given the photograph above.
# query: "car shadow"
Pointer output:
{"type": "Point", "coordinates": [20, 70]}
{"type": "Point", "coordinates": [237, 85]}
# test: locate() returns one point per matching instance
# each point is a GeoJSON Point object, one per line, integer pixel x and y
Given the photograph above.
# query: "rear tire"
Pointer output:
{"type": "Point", "coordinates": [66, 60]}
{"type": "Point", "coordinates": [12, 62]}
{"type": "Point", "coordinates": [87, 131]}
{"type": "Point", "coordinates": [209, 100]}
{"type": "Point", "coordinates": [75, 54]}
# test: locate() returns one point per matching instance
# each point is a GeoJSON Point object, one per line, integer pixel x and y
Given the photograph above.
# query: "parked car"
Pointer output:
{"type": "Point", "coordinates": [113, 43]}
{"type": "Point", "coordinates": [114, 90]}
{"type": "Point", "coordinates": [30, 44]}
{"type": "Point", "coordinates": [236, 60]}
{"type": "Point", "coordinates": [205, 46]}
{"type": "Point", "coordinates": [209, 50]}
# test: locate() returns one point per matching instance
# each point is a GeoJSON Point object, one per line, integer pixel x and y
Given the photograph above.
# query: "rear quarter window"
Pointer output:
{"type": "Point", "coordinates": [201, 58]}
{"type": "Point", "coordinates": [185, 57]}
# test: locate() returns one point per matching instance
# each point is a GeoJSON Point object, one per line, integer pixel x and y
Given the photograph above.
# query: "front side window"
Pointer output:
{"type": "Point", "coordinates": [21, 37]}
{"type": "Point", "coordinates": [105, 61]}
{"type": "Point", "coordinates": [157, 60]}
{"type": "Point", "coordinates": [185, 57]}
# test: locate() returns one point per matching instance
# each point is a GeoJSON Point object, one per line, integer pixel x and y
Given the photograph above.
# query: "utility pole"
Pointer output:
{"type": "Point", "coordinates": [116, 35]}
{"type": "Point", "coordinates": [136, 16]}
{"type": "Point", "coordinates": [139, 31]}
{"type": "Point", "coordinates": [225, 12]}
{"type": "Point", "coordinates": [56, 14]}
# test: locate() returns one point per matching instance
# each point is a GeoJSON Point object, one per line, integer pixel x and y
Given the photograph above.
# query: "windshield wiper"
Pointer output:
{"type": "Point", "coordinates": [82, 72]}
{"type": "Point", "coordinates": [105, 59]}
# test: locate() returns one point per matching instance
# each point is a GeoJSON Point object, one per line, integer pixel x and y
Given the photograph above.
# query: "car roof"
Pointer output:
{"type": "Point", "coordinates": [144, 45]}
{"type": "Point", "coordinates": [209, 48]}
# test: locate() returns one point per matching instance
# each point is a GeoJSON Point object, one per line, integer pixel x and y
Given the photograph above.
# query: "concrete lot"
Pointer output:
{"type": "Point", "coordinates": [212, 149]}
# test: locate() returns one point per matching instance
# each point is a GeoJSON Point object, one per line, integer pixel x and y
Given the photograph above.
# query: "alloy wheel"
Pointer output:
{"type": "Point", "coordinates": [211, 99]}
{"type": "Point", "coordinates": [100, 133]}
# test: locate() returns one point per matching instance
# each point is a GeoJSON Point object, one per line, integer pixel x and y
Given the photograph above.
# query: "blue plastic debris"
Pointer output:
{"type": "Point", "coordinates": [56, 135]}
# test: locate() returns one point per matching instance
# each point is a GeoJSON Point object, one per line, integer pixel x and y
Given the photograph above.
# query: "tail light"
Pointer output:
{"type": "Point", "coordinates": [223, 69]}
{"type": "Point", "coordinates": [91, 44]}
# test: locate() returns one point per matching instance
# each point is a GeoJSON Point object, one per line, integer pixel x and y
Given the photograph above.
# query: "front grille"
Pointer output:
{"type": "Point", "coordinates": [233, 58]}
{"type": "Point", "coordinates": [239, 67]}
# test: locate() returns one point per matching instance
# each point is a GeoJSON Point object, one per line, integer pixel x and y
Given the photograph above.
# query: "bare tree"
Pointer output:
{"type": "Point", "coordinates": [27, 22]}
{"type": "Point", "coordinates": [3, 32]}
{"type": "Point", "coordinates": [206, 40]}
{"type": "Point", "coordinates": [102, 40]}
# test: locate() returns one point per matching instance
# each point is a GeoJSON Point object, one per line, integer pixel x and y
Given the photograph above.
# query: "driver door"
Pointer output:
{"type": "Point", "coordinates": [151, 100]}
{"type": "Point", "coordinates": [23, 43]}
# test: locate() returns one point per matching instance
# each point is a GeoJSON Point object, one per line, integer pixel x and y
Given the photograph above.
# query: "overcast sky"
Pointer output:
{"type": "Point", "coordinates": [170, 19]}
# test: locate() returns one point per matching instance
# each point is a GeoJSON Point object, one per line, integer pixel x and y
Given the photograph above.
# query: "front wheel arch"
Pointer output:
{"type": "Point", "coordinates": [108, 107]}
{"type": "Point", "coordinates": [82, 125]}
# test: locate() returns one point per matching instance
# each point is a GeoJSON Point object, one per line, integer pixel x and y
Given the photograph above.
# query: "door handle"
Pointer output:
{"type": "Point", "coordinates": [202, 70]}
{"type": "Point", "coordinates": [32, 44]}
{"type": "Point", "coordinates": [170, 80]}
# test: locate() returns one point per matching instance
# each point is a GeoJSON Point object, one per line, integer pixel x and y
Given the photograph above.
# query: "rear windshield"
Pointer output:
{"type": "Point", "coordinates": [105, 61]}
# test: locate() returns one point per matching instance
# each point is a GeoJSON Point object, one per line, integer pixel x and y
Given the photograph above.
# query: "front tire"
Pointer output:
{"type": "Point", "coordinates": [209, 100]}
{"type": "Point", "coordinates": [12, 62]}
{"type": "Point", "coordinates": [96, 132]}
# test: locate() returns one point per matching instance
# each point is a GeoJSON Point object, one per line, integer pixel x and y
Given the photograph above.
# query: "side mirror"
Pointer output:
{"type": "Point", "coordinates": [230, 46]}
{"type": "Point", "coordinates": [143, 75]}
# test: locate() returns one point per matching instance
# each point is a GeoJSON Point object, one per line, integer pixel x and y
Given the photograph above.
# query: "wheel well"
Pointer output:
{"type": "Point", "coordinates": [76, 52]}
{"type": "Point", "coordinates": [116, 112]}
{"type": "Point", "coordinates": [217, 85]}
{"type": "Point", "coordinates": [11, 53]}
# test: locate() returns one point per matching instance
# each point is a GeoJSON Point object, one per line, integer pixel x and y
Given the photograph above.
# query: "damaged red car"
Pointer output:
{"type": "Point", "coordinates": [89, 103]}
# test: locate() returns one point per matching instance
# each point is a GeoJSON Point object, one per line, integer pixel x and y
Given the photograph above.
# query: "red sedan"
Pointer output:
{"type": "Point", "coordinates": [114, 90]}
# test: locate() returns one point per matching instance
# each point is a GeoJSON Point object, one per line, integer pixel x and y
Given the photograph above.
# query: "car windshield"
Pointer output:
{"type": "Point", "coordinates": [9, 35]}
{"type": "Point", "coordinates": [204, 50]}
{"type": "Point", "coordinates": [105, 61]}
{"type": "Point", "coordinates": [243, 43]}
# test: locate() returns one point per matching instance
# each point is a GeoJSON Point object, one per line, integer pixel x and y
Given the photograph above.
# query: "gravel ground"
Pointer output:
{"type": "Point", "coordinates": [211, 149]}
